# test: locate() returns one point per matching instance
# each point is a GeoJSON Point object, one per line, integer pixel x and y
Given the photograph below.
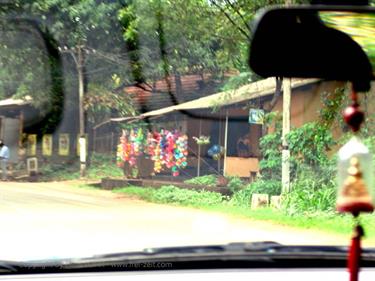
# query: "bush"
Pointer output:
{"type": "Point", "coordinates": [100, 158]}
{"type": "Point", "coordinates": [309, 195]}
{"type": "Point", "coordinates": [235, 184]}
{"type": "Point", "coordinates": [59, 172]}
{"type": "Point", "coordinates": [173, 194]}
{"type": "Point", "coordinates": [209, 180]}
{"type": "Point", "coordinates": [243, 197]}
{"type": "Point", "coordinates": [101, 165]}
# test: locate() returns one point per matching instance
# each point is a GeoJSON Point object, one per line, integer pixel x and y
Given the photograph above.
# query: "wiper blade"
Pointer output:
{"type": "Point", "coordinates": [214, 248]}
{"type": "Point", "coordinates": [7, 267]}
{"type": "Point", "coordinates": [235, 255]}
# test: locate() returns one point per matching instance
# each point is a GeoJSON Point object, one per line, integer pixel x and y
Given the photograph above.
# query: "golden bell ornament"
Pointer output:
{"type": "Point", "coordinates": [354, 178]}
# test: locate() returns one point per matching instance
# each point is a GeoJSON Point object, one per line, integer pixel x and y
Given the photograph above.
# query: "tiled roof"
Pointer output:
{"type": "Point", "coordinates": [162, 93]}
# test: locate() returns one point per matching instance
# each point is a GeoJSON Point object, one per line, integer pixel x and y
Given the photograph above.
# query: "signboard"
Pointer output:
{"type": "Point", "coordinates": [47, 145]}
{"type": "Point", "coordinates": [256, 116]}
{"type": "Point", "coordinates": [78, 146]}
{"type": "Point", "coordinates": [64, 144]}
{"type": "Point", "coordinates": [31, 145]}
{"type": "Point", "coordinates": [32, 165]}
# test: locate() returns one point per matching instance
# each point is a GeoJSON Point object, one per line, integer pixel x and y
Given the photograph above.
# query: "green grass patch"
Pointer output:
{"type": "Point", "coordinates": [208, 180]}
{"type": "Point", "coordinates": [101, 166]}
{"type": "Point", "coordinates": [177, 196]}
{"type": "Point", "coordinates": [322, 221]}
{"type": "Point", "coordinates": [59, 172]}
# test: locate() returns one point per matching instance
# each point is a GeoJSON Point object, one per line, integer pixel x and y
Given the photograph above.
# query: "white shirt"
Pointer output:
{"type": "Point", "coordinates": [4, 152]}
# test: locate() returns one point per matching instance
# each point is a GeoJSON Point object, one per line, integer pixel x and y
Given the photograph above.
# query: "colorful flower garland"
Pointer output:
{"type": "Point", "coordinates": [168, 149]}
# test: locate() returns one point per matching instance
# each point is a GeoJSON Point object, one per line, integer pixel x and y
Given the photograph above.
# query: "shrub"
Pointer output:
{"type": "Point", "coordinates": [309, 195]}
{"type": "Point", "coordinates": [101, 165]}
{"type": "Point", "coordinates": [173, 194]}
{"type": "Point", "coordinates": [243, 197]}
{"type": "Point", "coordinates": [235, 184]}
{"type": "Point", "coordinates": [209, 180]}
{"type": "Point", "coordinates": [59, 172]}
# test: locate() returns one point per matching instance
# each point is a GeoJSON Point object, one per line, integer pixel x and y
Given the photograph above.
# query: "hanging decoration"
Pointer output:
{"type": "Point", "coordinates": [202, 140]}
{"type": "Point", "coordinates": [216, 152]}
{"type": "Point", "coordinates": [167, 149]}
{"type": "Point", "coordinates": [355, 181]}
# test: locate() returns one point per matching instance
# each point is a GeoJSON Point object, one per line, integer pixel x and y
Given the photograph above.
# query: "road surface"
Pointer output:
{"type": "Point", "coordinates": [40, 220]}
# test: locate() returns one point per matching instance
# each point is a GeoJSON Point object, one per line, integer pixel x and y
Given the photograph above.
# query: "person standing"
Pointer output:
{"type": "Point", "coordinates": [4, 157]}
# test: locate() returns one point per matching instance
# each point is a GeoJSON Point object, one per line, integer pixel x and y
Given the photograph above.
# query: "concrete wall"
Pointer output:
{"type": "Point", "coordinates": [241, 167]}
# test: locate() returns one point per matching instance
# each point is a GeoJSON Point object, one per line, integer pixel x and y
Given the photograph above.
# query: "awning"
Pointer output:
{"type": "Point", "coordinates": [248, 92]}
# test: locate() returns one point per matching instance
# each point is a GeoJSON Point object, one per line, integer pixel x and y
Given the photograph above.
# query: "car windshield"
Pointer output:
{"type": "Point", "coordinates": [129, 124]}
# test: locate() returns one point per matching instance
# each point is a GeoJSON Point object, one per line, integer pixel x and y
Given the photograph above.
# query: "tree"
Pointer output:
{"type": "Point", "coordinates": [169, 38]}
{"type": "Point", "coordinates": [89, 36]}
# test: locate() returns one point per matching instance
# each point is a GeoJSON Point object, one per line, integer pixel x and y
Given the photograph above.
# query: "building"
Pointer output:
{"type": "Point", "coordinates": [225, 116]}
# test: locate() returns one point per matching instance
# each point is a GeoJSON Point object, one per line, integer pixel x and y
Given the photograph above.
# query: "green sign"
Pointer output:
{"type": "Point", "coordinates": [256, 116]}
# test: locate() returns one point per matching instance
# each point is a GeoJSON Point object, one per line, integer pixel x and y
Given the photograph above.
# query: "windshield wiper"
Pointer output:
{"type": "Point", "coordinates": [234, 255]}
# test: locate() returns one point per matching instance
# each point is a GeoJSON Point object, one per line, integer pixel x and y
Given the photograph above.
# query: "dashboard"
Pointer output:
{"type": "Point", "coordinates": [214, 275]}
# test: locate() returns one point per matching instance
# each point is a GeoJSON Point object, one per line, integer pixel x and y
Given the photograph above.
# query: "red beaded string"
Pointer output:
{"type": "Point", "coordinates": [353, 116]}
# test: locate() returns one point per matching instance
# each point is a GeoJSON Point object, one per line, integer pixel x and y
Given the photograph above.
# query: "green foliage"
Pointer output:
{"type": "Point", "coordinates": [309, 144]}
{"type": "Point", "coordinates": [239, 80]}
{"type": "Point", "coordinates": [308, 147]}
{"type": "Point", "coordinates": [172, 194]}
{"type": "Point", "coordinates": [310, 195]}
{"type": "Point", "coordinates": [101, 166]}
{"type": "Point", "coordinates": [321, 221]}
{"type": "Point", "coordinates": [89, 25]}
{"type": "Point", "coordinates": [270, 164]}
{"type": "Point", "coordinates": [312, 171]}
{"type": "Point", "coordinates": [243, 197]}
{"type": "Point", "coordinates": [100, 103]}
{"type": "Point", "coordinates": [59, 172]}
{"type": "Point", "coordinates": [333, 104]}
{"type": "Point", "coordinates": [235, 184]}
{"type": "Point", "coordinates": [266, 186]}
{"type": "Point", "coordinates": [208, 180]}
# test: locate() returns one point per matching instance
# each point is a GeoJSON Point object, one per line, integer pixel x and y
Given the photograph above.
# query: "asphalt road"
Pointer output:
{"type": "Point", "coordinates": [48, 220]}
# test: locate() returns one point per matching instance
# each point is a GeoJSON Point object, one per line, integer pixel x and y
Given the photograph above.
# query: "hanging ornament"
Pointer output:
{"type": "Point", "coordinates": [354, 167]}
{"type": "Point", "coordinates": [354, 182]}
{"type": "Point", "coordinates": [354, 178]}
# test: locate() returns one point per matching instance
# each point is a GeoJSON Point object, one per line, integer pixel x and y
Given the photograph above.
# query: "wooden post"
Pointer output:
{"type": "Point", "coordinates": [94, 140]}
{"type": "Point", "coordinates": [112, 143]}
{"type": "Point", "coordinates": [219, 160]}
{"type": "Point", "coordinates": [20, 144]}
{"type": "Point", "coordinates": [80, 62]}
{"type": "Point", "coordinates": [285, 164]}
{"type": "Point", "coordinates": [225, 143]}
{"type": "Point", "coordinates": [199, 149]}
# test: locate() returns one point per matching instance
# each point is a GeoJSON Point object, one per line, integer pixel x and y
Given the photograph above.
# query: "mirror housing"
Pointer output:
{"type": "Point", "coordinates": [294, 42]}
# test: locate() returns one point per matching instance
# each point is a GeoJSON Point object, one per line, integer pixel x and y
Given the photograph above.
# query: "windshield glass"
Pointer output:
{"type": "Point", "coordinates": [359, 26]}
{"type": "Point", "coordinates": [133, 124]}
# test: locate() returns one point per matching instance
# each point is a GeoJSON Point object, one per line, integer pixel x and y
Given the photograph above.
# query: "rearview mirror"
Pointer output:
{"type": "Point", "coordinates": [333, 43]}
{"type": "Point", "coordinates": [30, 74]}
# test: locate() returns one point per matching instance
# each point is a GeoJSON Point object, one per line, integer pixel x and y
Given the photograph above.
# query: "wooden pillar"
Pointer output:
{"type": "Point", "coordinates": [225, 143]}
{"type": "Point", "coordinates": [285, 163]}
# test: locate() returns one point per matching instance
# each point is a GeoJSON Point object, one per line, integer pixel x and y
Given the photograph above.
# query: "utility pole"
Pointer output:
{"type": "Point", "coordinates": [78, 56]}
{"type": "Point", "coordinates": [82, 137]}
{"type": "Point", "coordinates": [285, 163]}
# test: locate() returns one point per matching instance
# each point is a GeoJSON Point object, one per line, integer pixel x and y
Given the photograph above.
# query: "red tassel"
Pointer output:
{"type": "Point", "coordinates": [355, 253]}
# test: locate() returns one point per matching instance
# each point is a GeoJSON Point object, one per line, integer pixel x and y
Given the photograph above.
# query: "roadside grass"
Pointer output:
{"type": "Point", "coordinates": [321, 221]}
{"type": "Point", "coordinates": [101, 166]}
{"type": "Point", "coordinates": [59, 172]}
